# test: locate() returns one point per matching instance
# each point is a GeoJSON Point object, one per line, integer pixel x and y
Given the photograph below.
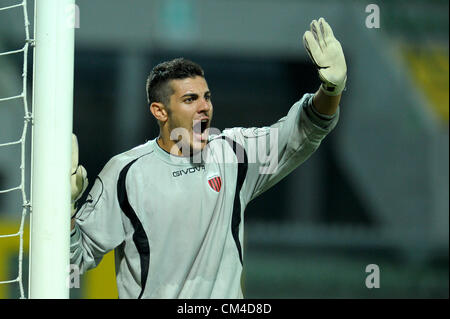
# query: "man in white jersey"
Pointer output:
{"type": "Point", "coordinates": [173, 208]}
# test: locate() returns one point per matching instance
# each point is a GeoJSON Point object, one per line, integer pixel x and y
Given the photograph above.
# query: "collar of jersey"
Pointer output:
{"type": "Point", "coordinates": [170, 158]}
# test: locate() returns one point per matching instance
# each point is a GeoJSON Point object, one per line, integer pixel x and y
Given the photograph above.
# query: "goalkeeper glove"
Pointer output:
{"type": "Point", "coordinates": [78, 179]}
{"type": "Point", "coordinates": [327, 55]}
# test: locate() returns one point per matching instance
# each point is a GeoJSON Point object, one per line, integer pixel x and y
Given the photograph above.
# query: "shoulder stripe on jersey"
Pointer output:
{"type": "Point", "coordinates": [139, 236]}
{"type": "Point", "coordinates": [239, 150]}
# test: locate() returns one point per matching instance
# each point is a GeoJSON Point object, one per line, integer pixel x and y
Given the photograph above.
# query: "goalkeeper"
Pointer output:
{"type": "Point", "coordinates": [176, 223]}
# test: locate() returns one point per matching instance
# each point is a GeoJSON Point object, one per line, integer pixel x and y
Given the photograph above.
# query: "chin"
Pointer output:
{"type": "Point", "coordinates": [198, 146]}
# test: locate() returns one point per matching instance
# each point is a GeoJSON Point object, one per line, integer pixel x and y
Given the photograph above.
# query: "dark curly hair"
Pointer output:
{"type": "Point", "coordinates": [158, 87]}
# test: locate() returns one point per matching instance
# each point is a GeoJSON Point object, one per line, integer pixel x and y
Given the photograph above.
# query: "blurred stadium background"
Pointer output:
{"type": "Point", "coordinates": [376, 192]}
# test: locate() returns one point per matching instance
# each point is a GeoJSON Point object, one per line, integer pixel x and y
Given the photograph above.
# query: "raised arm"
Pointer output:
{"type": "Point", "coordinates": [326, 53]}
{"type": "Point", "coordinates": [294, 138]}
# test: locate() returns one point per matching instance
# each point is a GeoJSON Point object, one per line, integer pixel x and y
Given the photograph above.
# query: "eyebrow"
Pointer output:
{"type": "Point", "coordinates": [194, 94]}
{"type": "Point", "coordinates": [190, 95]}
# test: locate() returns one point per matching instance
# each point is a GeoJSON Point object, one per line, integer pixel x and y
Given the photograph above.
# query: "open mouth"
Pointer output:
{"type": "Point", "coordinates": [200, 129]}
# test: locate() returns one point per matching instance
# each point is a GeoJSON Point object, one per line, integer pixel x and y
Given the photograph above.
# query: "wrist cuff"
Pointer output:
{"type": "Point", "coordinates": [333, 90]}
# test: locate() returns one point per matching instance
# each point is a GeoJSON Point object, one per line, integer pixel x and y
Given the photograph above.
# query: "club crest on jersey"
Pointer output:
{"type": "Point", "coordinates": [215, 183]}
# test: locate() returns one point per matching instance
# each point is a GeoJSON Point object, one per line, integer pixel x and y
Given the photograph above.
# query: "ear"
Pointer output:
{"type": "Point", "coordinates": [159, 111]}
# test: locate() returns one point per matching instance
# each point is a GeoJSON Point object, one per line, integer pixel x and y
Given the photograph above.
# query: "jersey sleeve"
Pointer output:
{"type": "Point", "coordinates": [272, 152]}
{"type": "Point", "coordinates": [99, 226]}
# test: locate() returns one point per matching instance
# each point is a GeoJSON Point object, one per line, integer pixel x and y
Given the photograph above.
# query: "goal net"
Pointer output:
{"type": "Point", "coordinates": [46, 195]}
{"type": "Point", "coordinates": [21, 167]}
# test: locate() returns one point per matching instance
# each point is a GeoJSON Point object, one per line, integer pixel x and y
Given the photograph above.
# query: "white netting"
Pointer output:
{"type": "Point", "coordinates": [27, 118]}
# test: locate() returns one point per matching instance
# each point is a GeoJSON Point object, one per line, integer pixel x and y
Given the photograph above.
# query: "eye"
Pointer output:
{"type": "Point", "coordinates": [208, 97]}
{"type": "Point", "coordinates": [189, 100]}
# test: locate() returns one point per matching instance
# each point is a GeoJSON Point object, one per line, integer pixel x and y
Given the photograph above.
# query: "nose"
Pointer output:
{"type": "Point", "coordinates": [204, 106]}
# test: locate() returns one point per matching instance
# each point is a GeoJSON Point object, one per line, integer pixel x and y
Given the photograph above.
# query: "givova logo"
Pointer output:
{"type": "Point", "coordinates": [189, 170]}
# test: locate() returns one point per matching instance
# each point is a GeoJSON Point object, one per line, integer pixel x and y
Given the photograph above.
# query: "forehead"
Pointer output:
{"type": "Point", "coordinates": [189, 85]}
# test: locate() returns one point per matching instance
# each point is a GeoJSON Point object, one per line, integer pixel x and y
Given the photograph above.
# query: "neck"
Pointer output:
{"type": "Point", "coordinates": [169, 146]}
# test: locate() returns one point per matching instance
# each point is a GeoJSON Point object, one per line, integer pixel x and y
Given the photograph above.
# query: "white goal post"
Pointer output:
{"type": "Point", "coordinates": [51, 149]}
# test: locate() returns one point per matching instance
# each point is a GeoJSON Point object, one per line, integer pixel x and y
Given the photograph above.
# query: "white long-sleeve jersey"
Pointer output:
{"type": "Point", "coordinates": [176, 223]}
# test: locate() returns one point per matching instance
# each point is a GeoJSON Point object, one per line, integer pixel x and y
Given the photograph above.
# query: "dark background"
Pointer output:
{"type": "Point", "coordinates": [375, 192]}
